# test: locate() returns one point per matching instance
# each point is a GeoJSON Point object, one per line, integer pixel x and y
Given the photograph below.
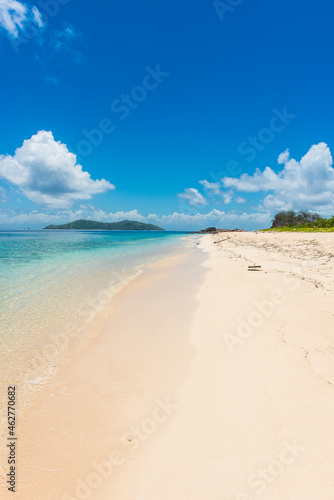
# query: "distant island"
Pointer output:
{"type": "Point", "coordinates": [124, 225]}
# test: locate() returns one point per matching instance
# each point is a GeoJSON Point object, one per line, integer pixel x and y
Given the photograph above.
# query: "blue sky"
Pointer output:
{"type": "Point", "coordinates": [176, 113]}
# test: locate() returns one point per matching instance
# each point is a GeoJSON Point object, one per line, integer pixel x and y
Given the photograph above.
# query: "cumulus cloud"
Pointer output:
{"type": "Point", "coordinates": [216, 217]}
{"type": "Point", "coordinates": [283, 157]}
{"type": "Point", "coordinates": [14, 15]}
{"type": "Point", "coordinates": [259, 181]}
{"type": "Point", "coordinates": [227, 197]}
{"type": "Point", "coordinates": [212, 187]}
{"type": "Point", "coordinates": [193, 197]}
{"type": "Point", "coordinates": [47, 173]}
{"type": "Point", "coordinates": [175, 220]}
{"type": "Point", "coordinates": [304, 184]}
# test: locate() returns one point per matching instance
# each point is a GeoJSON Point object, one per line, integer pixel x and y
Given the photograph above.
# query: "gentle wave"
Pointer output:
{"type": "Point", "coordinates": [54, 288]}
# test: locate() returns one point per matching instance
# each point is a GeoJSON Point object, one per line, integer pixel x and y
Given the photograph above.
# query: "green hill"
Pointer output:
{"type": "Point", "coordinates": [124, 225]}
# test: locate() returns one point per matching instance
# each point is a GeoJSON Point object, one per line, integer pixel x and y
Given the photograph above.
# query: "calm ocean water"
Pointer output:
{"type": "Point", "coordinates": [53, 284]}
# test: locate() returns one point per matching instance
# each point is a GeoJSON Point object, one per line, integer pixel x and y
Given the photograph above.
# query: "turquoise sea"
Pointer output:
{"type": "Point", "coordinates": [56, 289]}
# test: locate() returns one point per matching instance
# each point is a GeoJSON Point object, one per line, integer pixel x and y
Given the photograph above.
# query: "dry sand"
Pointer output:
{"type": "Point", "coordinates": [255, 415]}
{"type": "Point", "coordinates": [85, 415]}
{"type": "Point", "coordinates": [215, 387]}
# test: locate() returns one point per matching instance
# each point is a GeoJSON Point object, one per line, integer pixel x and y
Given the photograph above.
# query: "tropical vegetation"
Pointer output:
{"type": "Point", "coordinates": [301, 221]}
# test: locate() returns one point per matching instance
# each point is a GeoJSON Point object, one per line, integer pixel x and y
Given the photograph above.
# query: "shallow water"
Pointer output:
{"type": "Point", "coordinates": [53, 285]}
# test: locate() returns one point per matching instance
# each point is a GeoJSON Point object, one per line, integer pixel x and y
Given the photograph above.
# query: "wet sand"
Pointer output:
{"type": "Point", "coordinates": [209, 382]}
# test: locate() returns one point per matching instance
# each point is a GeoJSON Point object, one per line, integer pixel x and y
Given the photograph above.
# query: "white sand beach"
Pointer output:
{"type": "Point", "coordinates": [209, 382]}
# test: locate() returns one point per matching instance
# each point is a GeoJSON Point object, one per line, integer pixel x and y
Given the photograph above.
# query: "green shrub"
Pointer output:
{"type": "Point", "coordinates": [301, 219]}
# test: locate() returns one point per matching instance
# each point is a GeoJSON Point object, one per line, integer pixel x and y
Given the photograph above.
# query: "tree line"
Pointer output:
{"type": "Point", "coordinates": [301, 219]}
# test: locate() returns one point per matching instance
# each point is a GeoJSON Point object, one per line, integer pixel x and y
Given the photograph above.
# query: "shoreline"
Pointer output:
{"type": "Point", "coordinates": [107, 383]}
{"type": "Point", "coordinates": [209, 382]}
{"type": "Point", "coordinates": [62, 312]}
{"type": "Point", "coordinates": [254, 415]}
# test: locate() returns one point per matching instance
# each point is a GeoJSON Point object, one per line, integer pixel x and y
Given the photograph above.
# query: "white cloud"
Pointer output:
{"type": "Point", "coordinates": [14, 15]}
{"type": "Point", "coordinates": [212, 187]}
{"type": "Point", "coordinates": [215, 217]}
{"type": "Point", "coordinates": [227, 197]}
{"type": "Point", "coordinates": [283, 157]}
{"type": "Point", "coordinates": [37, 17]}
{"type": "Point", "coordinates": [24, 22]}
{"type": "Point", "coordinates": [47, 173]}
{"type": "Point", "coordinates": [259, 181]}
{"type": "Point", "coordinates": [239, 199]}
{"type": "Point", "coordinates": [172, 221]}
{"type": "Point", "coordinates": [3, 195]}
{"type": "Point", "coordinates": [193, 197]}
{"type": "Point", "coordinates": [304, 184]}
